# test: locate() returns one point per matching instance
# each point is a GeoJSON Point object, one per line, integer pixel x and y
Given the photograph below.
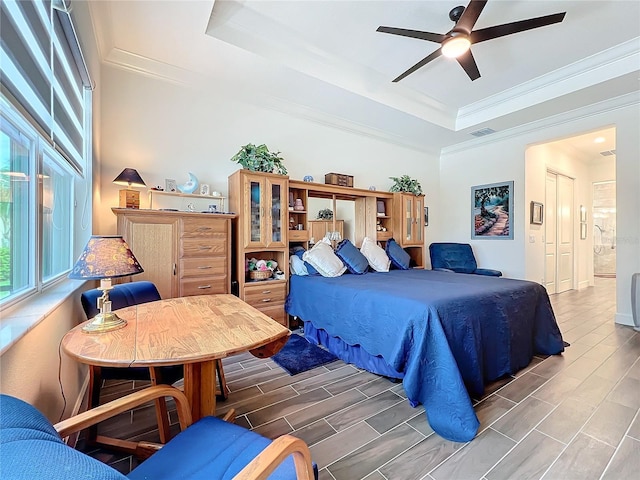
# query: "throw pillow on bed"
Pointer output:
{"type": "Point", "coordinates": [398, 256]}
{"type": "Point", "coordinates": [322, 258]}
{"type": "Point", "coordinates": [297, 266]}
{"type": "Point", "coordinates": [353, 259]}
{"type": "Point", "coordinates": [376, 256]}
{"type": "Point", "coordinates": [310, 270]}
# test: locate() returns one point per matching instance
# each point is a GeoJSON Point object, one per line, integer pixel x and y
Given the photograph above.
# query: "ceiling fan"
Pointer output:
{"type": "Point", "coordinates": [457, 42]}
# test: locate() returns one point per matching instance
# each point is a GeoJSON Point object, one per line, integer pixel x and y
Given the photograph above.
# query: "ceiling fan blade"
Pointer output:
{"type": "Point", "coordinates": [515, 27]}
{"type": "Point", "coordinates": [431, 37]}
{"type": "Point", "coordinates": [467, 62]}
{"type": "Point", "coordinates": [420, 64]}
{"type": "Point", "coordinates": [470, 15]}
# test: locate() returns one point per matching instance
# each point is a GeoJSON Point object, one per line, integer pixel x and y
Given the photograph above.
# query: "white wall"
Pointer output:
{"type": "Point", "coordinates": [165, 130]}
{"type": "Point", "coordinates": [553, 157]}
{"type": "Point", "coordinates": [503, 158]}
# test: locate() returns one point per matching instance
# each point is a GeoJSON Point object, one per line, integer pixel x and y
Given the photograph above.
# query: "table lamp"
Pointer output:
{"type": "Point", "coordinates": [129, 198]}
{"type": "Point", "coordinates": [105, 257]}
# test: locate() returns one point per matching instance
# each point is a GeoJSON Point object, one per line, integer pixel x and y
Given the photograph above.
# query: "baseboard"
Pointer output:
{"type": "Point", "coordinates": [624, 319]}
{"type": "Point", "coordinates": [584, 284]}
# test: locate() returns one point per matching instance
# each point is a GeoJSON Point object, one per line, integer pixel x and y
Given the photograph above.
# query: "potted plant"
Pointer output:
{"type": "Point", "coordinates": [259, 159]}
{"type": "Point", "coordinates": [325, 214]}
{"type": "Point", "coordinates": [406, 184]}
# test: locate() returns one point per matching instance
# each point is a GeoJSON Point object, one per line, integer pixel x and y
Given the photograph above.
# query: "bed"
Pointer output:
{"type": "Point", "coordinates": [445, 334]}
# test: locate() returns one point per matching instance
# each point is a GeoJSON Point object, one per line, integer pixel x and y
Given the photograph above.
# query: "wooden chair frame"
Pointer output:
{"type": "Point", "coordinates": [258, 469]}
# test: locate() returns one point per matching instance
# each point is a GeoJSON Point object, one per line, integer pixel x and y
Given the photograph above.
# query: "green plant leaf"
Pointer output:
{"type": "Point", "coordinates": [259, 159]}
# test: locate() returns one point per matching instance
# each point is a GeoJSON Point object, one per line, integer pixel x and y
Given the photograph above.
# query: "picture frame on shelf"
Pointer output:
{"type": "Point", "coordinates": [536, 213]}
{"type": "Point", "coordinates": [170, 185]}
{"type": "Point", "coordinates": [491, 211]}
{"type": "Point", "coordinates": [204, 189]}
{"type": "Point", "coordinates": [380, 208]}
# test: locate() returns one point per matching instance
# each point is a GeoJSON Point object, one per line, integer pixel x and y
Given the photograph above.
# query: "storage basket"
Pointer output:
{"type": "Point", "coordinates": [260, 274]}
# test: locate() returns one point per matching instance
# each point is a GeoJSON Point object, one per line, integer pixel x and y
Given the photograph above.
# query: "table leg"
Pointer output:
{"type": "Point", "coordinates": [200, 388]}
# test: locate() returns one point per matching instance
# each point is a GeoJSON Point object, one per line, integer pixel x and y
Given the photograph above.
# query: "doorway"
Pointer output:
{"type": "Point", "coordinates": [604, 229]}
{"type": "Point", "coordinates": [559, 228]}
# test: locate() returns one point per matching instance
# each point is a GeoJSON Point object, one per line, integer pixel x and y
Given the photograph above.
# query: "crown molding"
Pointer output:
{"type": "Point", "coordinates": [623, 101]}
{"type": "Point", "coordinates": [603, 66]}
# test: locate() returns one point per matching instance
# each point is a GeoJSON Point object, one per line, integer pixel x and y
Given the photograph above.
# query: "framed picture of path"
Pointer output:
{"type": "Point", "coordinates": [492, 211]}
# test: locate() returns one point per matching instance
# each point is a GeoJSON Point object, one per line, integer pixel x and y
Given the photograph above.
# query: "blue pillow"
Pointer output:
{"type": "Point", "coordinates": [398, 256]}
{"type": "Point", "coordinates": [353, 259]}
{"type": "Point", "coordinates": [310, 269]}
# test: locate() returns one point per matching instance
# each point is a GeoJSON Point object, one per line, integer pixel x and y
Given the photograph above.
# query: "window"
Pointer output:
{"type": "Point", "coordinates": [16, 202]}
{"type": "Point", "coordinates": [45, 145]}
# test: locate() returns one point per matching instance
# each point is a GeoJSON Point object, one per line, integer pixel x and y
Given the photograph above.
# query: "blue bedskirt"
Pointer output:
{"type": "Point", "coordinates": [445, 334]}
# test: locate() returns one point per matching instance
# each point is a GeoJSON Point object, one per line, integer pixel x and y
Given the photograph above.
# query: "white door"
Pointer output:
{"type": "Point", "coordinates": [564, 238]}
{"type": "Point", "coordinates": [558, 233]}
{"type": "Point", "coordinates": [550, 233]}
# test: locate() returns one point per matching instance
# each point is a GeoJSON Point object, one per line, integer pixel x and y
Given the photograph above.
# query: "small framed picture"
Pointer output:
{"type": "Point", "coordinates": [537, 212]}
{"type": "Point", "coordinates": [380, 208]}
{"type": "Point", "coordinates": [204, 189]}
{"type": "Point", "coordinates": [170, 185]}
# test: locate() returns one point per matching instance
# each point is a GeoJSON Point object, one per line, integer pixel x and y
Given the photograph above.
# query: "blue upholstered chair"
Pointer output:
{"type": "Point", "coordinates": [32, 448]}
{"type": "Point", "coordinates": [457, 257]}
{"type": "Point", "coordinates": [125, 295]}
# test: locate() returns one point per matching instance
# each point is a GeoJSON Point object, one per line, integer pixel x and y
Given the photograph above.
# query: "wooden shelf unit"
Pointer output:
{"type": "Point", "coordinates": [182, 253]}
{"type": "Point", "coordinates": [366, 208]}
{"type": "Point", "coordinates": [408, 225]}
{"type": "Point", "coordinates": [261, 201]}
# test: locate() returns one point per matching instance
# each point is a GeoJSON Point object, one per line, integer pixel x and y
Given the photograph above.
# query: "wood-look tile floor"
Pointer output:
{"type": "Point", "coordinates": [571, 416]}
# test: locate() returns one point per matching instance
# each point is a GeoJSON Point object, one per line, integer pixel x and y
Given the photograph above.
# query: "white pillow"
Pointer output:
{"type": "Point", "coordinates": [322, 258]}
{"type": "Point", "coordinates": [297, 266]}
{"type": "Point", "coordinates": [378, 259]}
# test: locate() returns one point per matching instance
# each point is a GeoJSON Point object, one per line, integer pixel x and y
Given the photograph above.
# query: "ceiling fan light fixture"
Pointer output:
{"type": "Point", "coordinates": [456, 46]}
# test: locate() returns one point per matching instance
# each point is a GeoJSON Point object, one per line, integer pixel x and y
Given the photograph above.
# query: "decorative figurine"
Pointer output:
{"type": "Point", "coordinates": [190, 186]}
{"type": "Point", "coordinates": [307, 178]}
{"type": "Point", "coordinates": [298, 205]}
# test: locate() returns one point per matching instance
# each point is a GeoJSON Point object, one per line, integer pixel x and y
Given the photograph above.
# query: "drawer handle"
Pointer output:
{"type": "Point", "coordinates": [264, 292]}
{"type": "Point", "coordinates": [204, 267]}
{"type": "Point", "coordinates": [204, 287]}
{"type": "Point", "coordinates": [203, 229]}
{"type": "Point", "coordinates": [266, 300]}
{"type": "Point", "coordinates": [203, 247]}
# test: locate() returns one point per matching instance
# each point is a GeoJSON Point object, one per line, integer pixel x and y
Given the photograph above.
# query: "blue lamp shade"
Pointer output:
{"type": "Point", "coordinates": [129, 177]}
{"type": "Point", "coordinates": [105, 257]}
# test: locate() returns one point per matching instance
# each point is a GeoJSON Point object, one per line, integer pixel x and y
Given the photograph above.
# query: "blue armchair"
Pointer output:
{"type": "Point", "coordinates": [32, 448]}
{"type": "Point", "coordinates": [457, 257]}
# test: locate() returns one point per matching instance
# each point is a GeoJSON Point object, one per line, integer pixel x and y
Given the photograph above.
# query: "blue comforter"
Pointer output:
{"type": "Point", "coordinates": [447, 333]}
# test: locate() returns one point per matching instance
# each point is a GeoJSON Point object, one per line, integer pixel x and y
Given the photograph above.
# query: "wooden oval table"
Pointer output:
{"type": "Point", "coordinates": [191, 331]}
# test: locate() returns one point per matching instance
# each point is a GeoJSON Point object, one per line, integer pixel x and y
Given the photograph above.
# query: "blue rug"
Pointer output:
{"type": "Point", "coordinates": [298, 355]}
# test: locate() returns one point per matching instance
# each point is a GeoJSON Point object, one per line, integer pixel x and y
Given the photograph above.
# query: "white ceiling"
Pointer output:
{"type": "Point", "coordinates": [324, 60]}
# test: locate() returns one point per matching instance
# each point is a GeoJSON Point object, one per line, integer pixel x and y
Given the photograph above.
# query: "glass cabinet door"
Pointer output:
{"type": "Point", "coordinates": [277, 193]}
{"type": "Point", "coordinates": [419, 216]}
{"type": "Point", "coordinates": [408, 217]}
{"type": "Point", "coordinates": [413, 211]}
{"type": "Point", "coordinates": [256, 207]}
{"type": "Point", "coordinates": [255, 211]}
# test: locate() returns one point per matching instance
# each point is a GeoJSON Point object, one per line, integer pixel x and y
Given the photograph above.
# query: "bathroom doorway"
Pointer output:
{"type": "Point", "coordinates": [604, 229]}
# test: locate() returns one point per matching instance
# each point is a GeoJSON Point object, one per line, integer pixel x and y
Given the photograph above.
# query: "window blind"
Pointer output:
{"type": "Point", "coordinates": [43, 70]}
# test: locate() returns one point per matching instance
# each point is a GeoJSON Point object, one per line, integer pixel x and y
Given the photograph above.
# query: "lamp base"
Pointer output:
{"type": "Point", "coordinates": [104, 322]}
{"type": "Point", "coordinates": [129, 198]}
